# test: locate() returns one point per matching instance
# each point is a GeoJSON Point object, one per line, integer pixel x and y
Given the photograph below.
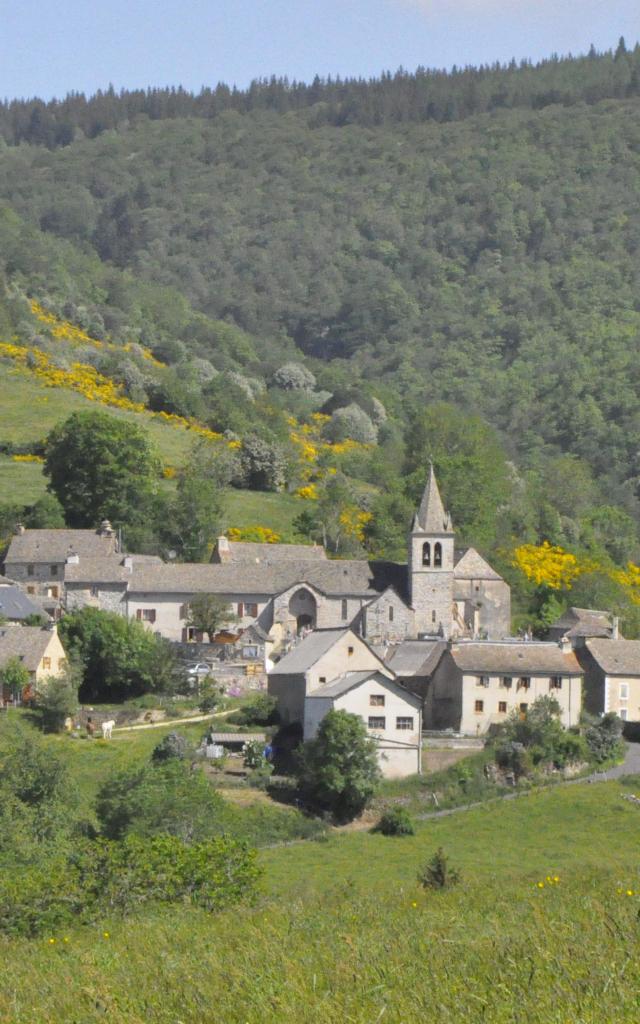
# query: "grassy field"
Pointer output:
{"type": "Point", "coordinates": [344, 934]}
{"type": "Point", "coordinates": [28, 411]}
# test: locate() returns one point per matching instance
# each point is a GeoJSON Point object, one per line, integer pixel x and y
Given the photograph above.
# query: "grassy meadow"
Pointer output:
{"type": "Point", "coordinates": [544, 927]}
{"type": "Point", "coordinates": [28, 411]}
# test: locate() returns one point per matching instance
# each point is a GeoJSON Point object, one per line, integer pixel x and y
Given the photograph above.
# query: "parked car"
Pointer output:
{"type": "Point", "coordinates": [200, 670]}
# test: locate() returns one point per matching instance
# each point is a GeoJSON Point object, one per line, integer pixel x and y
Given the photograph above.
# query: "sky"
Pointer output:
{"type": "Point", "coordinates": [51, 47]}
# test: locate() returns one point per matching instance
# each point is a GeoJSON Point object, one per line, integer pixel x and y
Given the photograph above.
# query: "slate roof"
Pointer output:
{"type": "Point", "coordinates": [470, 565]}
{"type": "Point", "coordinates": [106, 568]}
{"type": "Point", "coordinates": [333, 578]}
{"type": "Point", "coordinates": [305, 654]}
{"type": "Point", "coordinates": [14, 604]}
{"type": "Point", "coordinates": [616, 657]}
{"type": "Point", "coordinates": [350, 680]}
{"type": "Point", "coordinates": [271, 554]}
{"type": "Point", "coordinates": [514, 658]}
{"type": "Point", "coordinates": [415, 657]}
{"type": "Point", "coordinates": [431, 516]}
{"type": "Point", "coordinates": [583, 622]}
{"type": "Point", "coordinates": [55, 545]}
{"type": "Point", "coordinates": [29, 643]}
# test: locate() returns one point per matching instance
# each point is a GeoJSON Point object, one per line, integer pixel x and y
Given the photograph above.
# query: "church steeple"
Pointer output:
{"type": "Point", "coordinates": [431, 516]}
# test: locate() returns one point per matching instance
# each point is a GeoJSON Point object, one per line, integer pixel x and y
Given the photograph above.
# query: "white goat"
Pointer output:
{"type": "Point", "coordinates": [107, 728]}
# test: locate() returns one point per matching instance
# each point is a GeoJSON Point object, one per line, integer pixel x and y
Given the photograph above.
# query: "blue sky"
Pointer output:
{"type": "Point", "coordinates": [49, 47]}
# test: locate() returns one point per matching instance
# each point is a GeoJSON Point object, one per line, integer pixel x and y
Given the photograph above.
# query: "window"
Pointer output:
{"type": "Point", "coordinates": [240, 610]}
{"type": "Point", "coordinates": [623, 714]}
{"type": "Point", "coordinates": [46, 662]}
{"type": "Point", "coordinates": [524, 682]}
{"type": "Point", "coordinates": [403, 722]}
{"type": "Point", "coordinates": [349, 651]}
{"type": "Point", "coordinates": [555, 683]}
{"type": "Point", "coordinates": [376, 722]}
{"type": "Point", "coordinates": [506, 681]}
{"type": "Point", "coordinates": [251, 610]}
{"type": "Point", "coordinates": [433, 615]}
{"type": "Point", "coordinates": [624, 691]}
{"type": "Point", "coordinates": [502, 707]}
{"type": "Point", "coordinates": [96, 590]}
{"type": "Point", "coordinates": [146, 614]}
{"type": "Point", "coordinates": [30, 570]}
{"type": "Point", "coordinates": [345, 608]}
{"type": "Point", "coordinates": [31, 590]}
{"type": "Point", "coordinates": [426, 553]}
{"type": "Point", "coordinates": [54, 570]}
{"type": "Point", "coordinates": [322, 679]}
{"type": "Point", "coordinates": [390, 613]}
{"type": "Point", "coordinates": [523, 710]}
{"type": "Point", "coordinates": [483, 680]}
{"type": "Point", "coordinates": [437, 555]}
{"type": "Point", "coordinates": [52, 591]}
{"type": "Point", "coordinates": [479, 708]}
{"type": "Point", "coordinates": [376, 700]}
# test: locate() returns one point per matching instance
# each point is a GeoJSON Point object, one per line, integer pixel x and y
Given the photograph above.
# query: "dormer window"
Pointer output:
{"type": "Point", "coordinates": [437, 556]}
{"type": "Point", "coordinates": [426, 553]}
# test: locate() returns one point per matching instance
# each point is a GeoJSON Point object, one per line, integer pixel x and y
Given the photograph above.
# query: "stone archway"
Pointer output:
{"type": "Point", "coordinates": [303, 608]}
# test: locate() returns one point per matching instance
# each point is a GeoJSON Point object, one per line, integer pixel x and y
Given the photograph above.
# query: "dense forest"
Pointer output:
{"type": "Point", "coordinates": [430, 264]}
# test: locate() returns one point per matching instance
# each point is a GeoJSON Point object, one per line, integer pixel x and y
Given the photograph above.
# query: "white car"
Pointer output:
{"type": "Point", "coordinates": [198, 671]}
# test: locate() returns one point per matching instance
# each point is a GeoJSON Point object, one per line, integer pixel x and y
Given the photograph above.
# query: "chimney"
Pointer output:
{"type": "Point", "coordinates": [565, 644]}
{"type": "Point", "coordinates": [105, 529]}
{"type": "Point", "coordinates": [18, 529]}
{"type": "Point", "coordinates": [128, 563]}
{"type": "Point", "coordinates": [72, 558]}
{"type": "Point", "coordinates": [615, 628]}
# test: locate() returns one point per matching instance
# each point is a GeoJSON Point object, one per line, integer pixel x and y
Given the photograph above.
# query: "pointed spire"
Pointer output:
{"type": "Point", "coordinates": [431, 516]}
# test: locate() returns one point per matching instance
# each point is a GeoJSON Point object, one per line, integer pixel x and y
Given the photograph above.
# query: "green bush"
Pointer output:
{"type": "Point", "coordinates": [604, 739]}
{"type": "Point", "coordinates": [437, 873]}
{"type": "Point", "coordinates": [395, 822]}
{"type": "Point", "coordinates": [57, 700]}
{"type": "Point", "coordinates": [173, 745]}
{"type": "Point", "coordinates": [102, 877]}
{"type": "Point", "coordinates": [261, 710]}
{"type": "Point", "coordinates": [338, 770]}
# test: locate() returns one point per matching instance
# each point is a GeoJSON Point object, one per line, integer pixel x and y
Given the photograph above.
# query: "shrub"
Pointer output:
{"type": "Point", "coordinates": [396, 822]}
{"type": "Point", "coordinates": [437, 873]}
{"type": "Point", "coordinates": [261, 710]}
{"type": "Point", "coordinates": [57, 700]}
{"type": "Point", "coordinates": [173, 745]}
{"type": "Point", "coordinates": [254, 754]}
{"type": "Point", "coordinates": [604, 739]}
{"type": "Point", "coordinates": [338, 770]}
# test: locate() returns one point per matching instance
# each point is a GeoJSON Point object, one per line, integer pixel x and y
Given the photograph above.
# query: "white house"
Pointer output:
{"type": "Point", "coordinates": [392, 715]}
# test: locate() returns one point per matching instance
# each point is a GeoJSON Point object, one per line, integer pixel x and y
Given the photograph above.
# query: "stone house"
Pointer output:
{"type": "Point", "coordinates": [413, 663]}
{"type": "Point", "coordinates": [39, 649]}
{"type": "Point", "coordinates": [391, 714]}
{"type": "Point", "coordinates": [611, 677]}
{"type": "Point", "coordinates": [581, 624]}
{"type": "Point", "coordinates": [477, 684]}
{"type": "Point", "coordinates": [37, 559]}
{"type": "Point", "coordinates": [322, 656]}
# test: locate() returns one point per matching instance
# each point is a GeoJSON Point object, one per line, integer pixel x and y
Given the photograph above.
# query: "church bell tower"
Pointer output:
{"type": "Point", "coordinates": [431, 560]}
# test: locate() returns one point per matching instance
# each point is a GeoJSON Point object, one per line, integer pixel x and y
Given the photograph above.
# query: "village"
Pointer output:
{"type": "Point", "coordinates": [413, 649]}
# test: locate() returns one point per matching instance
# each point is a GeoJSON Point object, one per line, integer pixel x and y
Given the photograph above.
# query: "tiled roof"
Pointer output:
{"type": "Point", "coordinates": [29, 643]}
{"type": "Point", "coordinates": [470, 565]}
{"type": "Point", "coordinates": [14, 604]}
{"type": "Point", "coordinates": [584, 622]}
{"type": "Point", "coordinates": [514, 658]}
{"type": "Point", "coordinates": [349, 681]}
{"type": "Point", "coordinates": [55, 545]}
{"type": "Point", "coordinates": [616, 657]}
{"type": "Point", "coordinates": [107, 569]}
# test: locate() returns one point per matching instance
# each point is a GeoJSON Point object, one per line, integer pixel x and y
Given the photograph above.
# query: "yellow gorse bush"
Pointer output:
{"type": "Point", "coordinates": [353, 521]}
{"type": "Point", "coordinates": [63, 330]}
{"type": "Point", "coordinates": [27, 458]}
{"type": "Point", "coordinates": [311, 447]}
{"type": "Point", "coordinates": [256, 534]}
{"type": "Point", "coordinates": [553, 567]}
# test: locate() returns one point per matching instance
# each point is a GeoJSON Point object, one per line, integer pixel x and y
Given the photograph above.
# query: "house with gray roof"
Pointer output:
{"type": "Point", "coordinates": [581, 624]}
{"type": "Point", "coordinates": [391, 714]}
{"type": "Point", "coordinates": [15, 606]}
{"type": "Point", "coordinates": [477, 684]}
{"type": "Point", "coordinates": [315, 660]}
{"type": "Point", "coordinates": [611, 677]}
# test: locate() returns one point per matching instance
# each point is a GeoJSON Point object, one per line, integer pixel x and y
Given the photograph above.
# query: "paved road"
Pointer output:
{"type": "Point", "coordinates": [630, 766]}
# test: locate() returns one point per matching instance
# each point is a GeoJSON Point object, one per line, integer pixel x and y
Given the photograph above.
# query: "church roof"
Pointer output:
{"type": "Point", "coordinates": [431, 516]}
{"type": "Point", "coordinates": [470, 565]}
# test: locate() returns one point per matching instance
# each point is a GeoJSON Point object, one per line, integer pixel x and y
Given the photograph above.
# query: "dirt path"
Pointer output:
{"type": "Point", "coordinates": [172, 721]}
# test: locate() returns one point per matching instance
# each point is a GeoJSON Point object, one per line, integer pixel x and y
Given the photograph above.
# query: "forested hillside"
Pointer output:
{"type": "Point", "coordinates": [430, 264]}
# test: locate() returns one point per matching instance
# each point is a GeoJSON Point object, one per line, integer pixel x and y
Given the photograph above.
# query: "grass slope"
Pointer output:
{"type": "Point", "coordinates": [28, 410]}
{"type": "Point", "coordinates": [343, 934]}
